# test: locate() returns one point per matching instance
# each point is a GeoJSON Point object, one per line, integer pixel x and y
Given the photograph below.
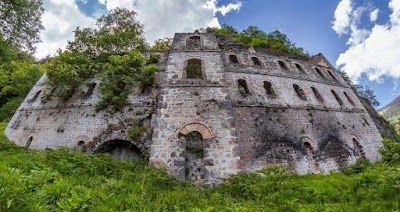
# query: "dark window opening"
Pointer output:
{"type": "Point", "coordinates": [242, 86]}
{"type": "Point", "coordinates": [283, 65]}
{"type": "Point", "coordinates": [81, 146]}
{"type": "Point", "coordinates": [333, 76]}
{"type": "Point", "coordinates": [121, 149]}
{"type": "Point", "coordinates": [300, 68]}
{"type": "Point", "coordinates": [35, 97]}
{"type": "Point", "coordinates": [313, 158]}
{"type": "Point", "coordinates": [193, 69]}
{"type": "Point", "coordinates": [317, 94]}
{"type": "Point", "coordinates": [300, 92]}
{"type": "Point", "coordinates": [338, 99]}
{"type": "Point", "coordinates": [233, 58]}
{"type": "Point", "coordinates": [319, 72]}
{"type": "Point", "coordinates": [358, 150]}
{"type": "Point", "coordinates": [268, 88]}
{"type": "Point", "coordinates": [349, 99]}
{"type": "Point", "coordinates": [194, 158]}
{"type": "Point", "coordinates": [256, 61]}
{"type": "Point", "coordinates": [193, 42]}
{"type": "Point", "coordinates": [90, 88]}
{"type": "Point", "coordinates": [28, 142]}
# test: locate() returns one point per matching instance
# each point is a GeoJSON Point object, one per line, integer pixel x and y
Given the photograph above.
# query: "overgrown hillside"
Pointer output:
{"type": "Point", "coordinates": [391, 112]}
{"type": "Point", "coordinates": [65, 180]}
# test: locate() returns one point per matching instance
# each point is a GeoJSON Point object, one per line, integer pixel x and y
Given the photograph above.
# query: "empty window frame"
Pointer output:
{"type": "Point", "coordinates": [338, 99]}
{"type": "Point", "coordinates": [300, 93]}
{"type": "Point", "coordinates": [29, 142]}
{"type": "Point", "coordinates": [333, 76]}
{"type": "Point", "coordinates": [317, 95]}
{"type": "Point", "coordinates": [349, 99]}
{"type": "Point", "coordinates": [269, 89]}
{"type": "Point", "coordinates": [242, 87]}
{"type": "Point", "coordinates": [256, 61]}
{"type": "Point", "coordinates": [319, 72]}
{"type": "Point", "coordinates": [233, 58]}
{"type": "Point", "coordinates": [35, 97]}
{"type": "Point", "coordinates": [282, 65]}
{"type": "Point", "coordinates": [194, 69]}
{"type": "Point", "coordinates": [299, 68]}
{"type": "Point", "coordinates": [193, 42]}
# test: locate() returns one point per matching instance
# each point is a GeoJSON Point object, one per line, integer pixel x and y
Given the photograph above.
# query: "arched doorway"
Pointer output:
{"type": "Point", "coordinates": [310, 155]}
{"type": "Point", "coordinates": [121, 149]}
{"type": "Point", "coordinates": [195, 137]}
{"type": "Point", "coordinates": [194, 156]}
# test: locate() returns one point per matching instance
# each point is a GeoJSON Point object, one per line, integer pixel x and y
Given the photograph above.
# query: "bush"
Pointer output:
{"type": "Point", "coordinates": [390, 151]}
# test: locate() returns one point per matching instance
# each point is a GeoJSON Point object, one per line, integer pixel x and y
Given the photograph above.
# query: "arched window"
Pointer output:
{"type": "Point", "coordinates": [242, 87]}
{"type": "Point", "coordinates": [269, 89]}
{"type": "Point", "coordinates": [193, 42]}
{"type": "Point", "coordinates": [194, 157]}
{"type": "Point", "coordinates": [35, 97]}
{"type": "Point", "coordinates": [349, 99]}
{"type": "Point", "coordinates": [300, 93]}
{"type": "Point", "coordinates": [283, 65]}
{"type": "Point", "coordinates": [80, 146]}
{"type": "Point", "coordinates": [311, 156]}
{"type": "Point", "coordinates": [90, 88]}
{"type": "Point", "coordinates": [317, 94]}
{"type": "Point", "coordinates": [233, 58]}
{"type": "Point", "coordinates": [359, 152]}
{"type": "Point", "coordinates": [194, 69]}
{"type": "Point", "coordinates": [338, 99]}
{"type": "Point", "coordinates": [319, 72]}
{"type": "Point", "coordinates": [29, 142]}
{"type": "Point", "coordinates": [256, 61]}
{"type": "Point", "coordinates": [333, 76]}
{"type": "Point", "coordinates": [299, 68]}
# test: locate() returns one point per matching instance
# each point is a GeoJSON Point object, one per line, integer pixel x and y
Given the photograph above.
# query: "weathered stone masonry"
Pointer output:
{"type": "Point", "coordinates": [220, 109]}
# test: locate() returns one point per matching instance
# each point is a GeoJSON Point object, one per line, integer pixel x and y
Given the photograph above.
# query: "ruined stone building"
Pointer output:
{"type": "Point", "coordinates": [220, 108]}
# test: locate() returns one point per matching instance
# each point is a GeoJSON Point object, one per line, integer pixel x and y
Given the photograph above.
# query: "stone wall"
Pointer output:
{"type": "Point", "coordinates": [268, 108]}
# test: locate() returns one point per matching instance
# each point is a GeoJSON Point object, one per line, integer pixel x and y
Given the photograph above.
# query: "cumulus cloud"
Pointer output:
{"type": "Point", "coordinates": [60, 19]}
{"type": "Point", "coordinates": [374, 52]}
{"type": "Point", "coordinates": [373, 16]}
{"type": "Point", "coordinates": [161, 18]}
{"type": "Point", "coordinates": [342, 17]}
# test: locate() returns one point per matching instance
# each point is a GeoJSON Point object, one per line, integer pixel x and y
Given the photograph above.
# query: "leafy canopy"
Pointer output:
{"type": "Point", "coordinates": [255, 37]}
{"type": "Point", "coordinates": [20, 22]}
{"type": "Point", "coordinates": [162, 44]}
{"type": "Point", "coordinates": [118, 32]}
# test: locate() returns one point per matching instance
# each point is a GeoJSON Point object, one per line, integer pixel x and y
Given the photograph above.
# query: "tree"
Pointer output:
{"type": "Point", "coordinates": [163, 44]}
{"type": "Point", "coordinates": [368, 94]}
{"type": "Point", "coordinates": [118, 33]}
{"type": "Point", "coordinates": [20, 22]}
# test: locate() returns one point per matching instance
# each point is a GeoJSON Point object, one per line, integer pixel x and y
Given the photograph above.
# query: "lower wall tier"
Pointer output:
{"type": "Point", "coordinates": [310, 141]}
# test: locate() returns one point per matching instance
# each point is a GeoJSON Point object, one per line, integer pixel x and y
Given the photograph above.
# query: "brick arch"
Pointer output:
{"type": "Point", "coordinates": [197, 127]}
{"type": "Point", "coordinates": [305, 139]}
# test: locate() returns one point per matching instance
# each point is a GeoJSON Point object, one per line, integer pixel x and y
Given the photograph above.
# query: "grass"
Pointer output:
{"type": "Point", "coordinates": [66, 180]}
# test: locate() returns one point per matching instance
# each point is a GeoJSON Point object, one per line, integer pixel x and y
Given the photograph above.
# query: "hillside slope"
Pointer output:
{"type": "Point", "coordinates": [391, 112]}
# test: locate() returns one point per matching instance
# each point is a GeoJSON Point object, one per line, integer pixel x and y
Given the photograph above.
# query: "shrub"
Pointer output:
{"type": "Point", "coordinates": [390, 151]}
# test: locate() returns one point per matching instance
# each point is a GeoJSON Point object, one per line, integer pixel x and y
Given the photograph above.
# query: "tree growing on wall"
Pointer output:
{"type": "Point", "coordinates": [162, 44]}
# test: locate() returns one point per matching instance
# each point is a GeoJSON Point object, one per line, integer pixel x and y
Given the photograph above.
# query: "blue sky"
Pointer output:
{"type": "Point", "coordinates": [361, 37]}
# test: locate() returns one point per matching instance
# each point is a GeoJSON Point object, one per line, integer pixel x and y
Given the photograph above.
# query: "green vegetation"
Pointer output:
{"type": "Point", "coordinates": [111, 53]}
{"type": "Point", "coordinates": [66, 180]}
{"type": "Point", "coordinates": [255, 37]}
{"type": "Point", "coordinates": [135, 132]}
{"type": "Point", "coordinates": [163, 44]}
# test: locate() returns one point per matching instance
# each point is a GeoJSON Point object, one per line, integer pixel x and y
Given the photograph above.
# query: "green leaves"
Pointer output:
{"type": "Point", "coordinates": [255, 37]}
{"type": "Point", "coordinates": [20, 22]}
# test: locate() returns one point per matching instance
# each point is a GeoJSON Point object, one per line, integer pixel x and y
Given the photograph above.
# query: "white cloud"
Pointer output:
{"type": "Point", "coordinates": [161, 18]}
{"type": "Point", "coordinates": [60, 19]}
{"type": "Point", "coordinates": [164, 18]}
{"type": "Point", "coordinates": [342, 17]}
{"type": "Point", "coordinates": [373, 16]}
{"type": "Point", "coordinates": [374, 52]}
